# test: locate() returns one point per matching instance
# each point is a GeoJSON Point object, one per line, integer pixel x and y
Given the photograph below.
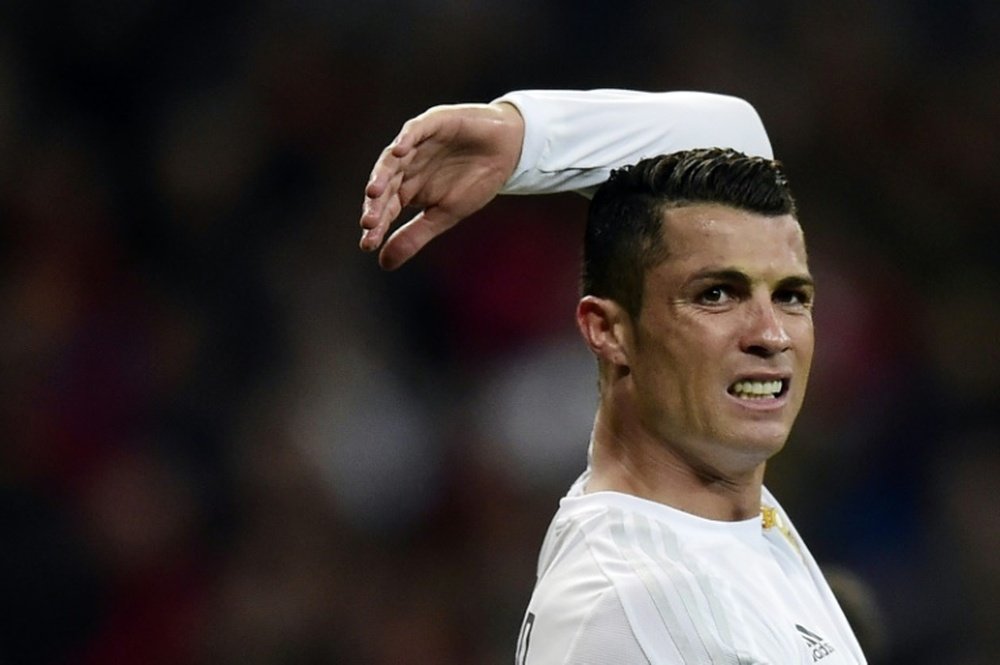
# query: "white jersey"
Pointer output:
{"type": "Point", "coordinates": [573, 139]}
{"type": "Point", "coordinates": [626, 581]}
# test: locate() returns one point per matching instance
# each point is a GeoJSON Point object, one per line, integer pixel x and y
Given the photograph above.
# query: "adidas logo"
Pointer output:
{"type": "Point", "coordinates": [820, 647]}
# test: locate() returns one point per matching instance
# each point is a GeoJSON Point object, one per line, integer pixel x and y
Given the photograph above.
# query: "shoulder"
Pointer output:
{"type": "Point", "coordinates": [625, 540]}
{"type": "Point", "coordinates": [614, 574]}
{"type": "Point", "coordinates": [599, 632]}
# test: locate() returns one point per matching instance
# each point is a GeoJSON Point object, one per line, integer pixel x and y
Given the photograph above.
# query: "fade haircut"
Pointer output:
{"type": "Point", "coordinates": [624, 236]}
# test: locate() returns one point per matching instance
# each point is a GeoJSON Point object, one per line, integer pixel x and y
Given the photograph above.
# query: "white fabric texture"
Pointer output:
{"type": "Point", "coordinates": [690, 590]}
{"type": "Point", "coordinates": [573, 139]}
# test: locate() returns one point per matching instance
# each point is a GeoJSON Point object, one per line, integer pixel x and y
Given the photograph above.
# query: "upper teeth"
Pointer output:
{"type": "Point", "coordinates": [756, 388]}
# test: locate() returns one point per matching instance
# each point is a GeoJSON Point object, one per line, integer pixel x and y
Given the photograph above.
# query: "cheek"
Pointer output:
{"type": "Point", "coordinates": [655, 372]}
{"type": "Point", "coordinates": [805, 342]}
{"type": "Point", "coordinates": [680, 367]}
{"type": "Point", "coordinates": [679, 356]}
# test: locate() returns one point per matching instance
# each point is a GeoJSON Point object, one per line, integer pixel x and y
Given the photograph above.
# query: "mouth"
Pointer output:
{"type": "Point", "coordinates": [759, 389]}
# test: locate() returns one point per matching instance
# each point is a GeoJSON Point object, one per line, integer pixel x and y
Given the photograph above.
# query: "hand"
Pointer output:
{"type": "Point", "coordinates": [449, 161]}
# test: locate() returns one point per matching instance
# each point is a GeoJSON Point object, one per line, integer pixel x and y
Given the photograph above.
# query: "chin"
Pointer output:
{"type": "Point", "coordinates": [764, 442]}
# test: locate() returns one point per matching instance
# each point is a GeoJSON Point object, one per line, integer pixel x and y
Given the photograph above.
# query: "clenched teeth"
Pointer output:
{"type": "Point", "coordinates": [756, 389]}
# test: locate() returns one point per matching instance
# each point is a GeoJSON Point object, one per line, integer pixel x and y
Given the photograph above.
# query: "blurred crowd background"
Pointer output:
{"type": "Point", "coordinates": [228, 437]}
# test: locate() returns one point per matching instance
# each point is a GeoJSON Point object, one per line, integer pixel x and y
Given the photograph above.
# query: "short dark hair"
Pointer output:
{"type": "Point", "coordinates": [624, 236]}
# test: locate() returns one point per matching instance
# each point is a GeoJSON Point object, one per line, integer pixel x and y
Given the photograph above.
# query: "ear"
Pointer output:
{"type": "Point", "coordinates": [606, 327]}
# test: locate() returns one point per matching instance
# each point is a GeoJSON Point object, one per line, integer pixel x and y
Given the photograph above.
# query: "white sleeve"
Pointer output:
{"type": "Point", "coordinates": [573, 139]}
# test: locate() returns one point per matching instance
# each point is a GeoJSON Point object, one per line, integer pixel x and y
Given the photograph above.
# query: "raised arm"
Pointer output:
{"type": "Point", "coordinates": [574, 139]}
{"type": "Point", "coordinates": [450, 161]}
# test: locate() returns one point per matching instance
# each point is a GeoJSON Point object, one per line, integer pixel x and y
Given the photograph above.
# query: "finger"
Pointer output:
{"type": "Point", "coordinates": [373, 207]}
{"type": "Point", "coordinates": [417, 130]}
{"type": "Point", "coordinates": [401, 157]}
{"type": "Point", "coordinates": [378, 214]}
{"type": "Point", "coordinates": [413, 236]}
{"type": "Point", "coordinates": [374, 221]}
{"type": "Point", "coordinates": [386, 166]}
{"type": "Point", "coordinates": [405, 140]}
{"type": "Point", "coordinates": [371, 238]}
{"type": "Point", "coordinates": [371, 212]}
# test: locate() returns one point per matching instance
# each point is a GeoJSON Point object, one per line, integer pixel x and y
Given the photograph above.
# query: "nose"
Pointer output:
{"type": "Point", "coordinates": [765, 334]}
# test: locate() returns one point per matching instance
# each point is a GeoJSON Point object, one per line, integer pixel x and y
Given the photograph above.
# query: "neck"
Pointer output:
{"type": "Point", "coordinates": [628, 459]}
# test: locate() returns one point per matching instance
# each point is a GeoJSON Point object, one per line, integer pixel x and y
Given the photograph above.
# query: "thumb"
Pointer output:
{"type": "Point", "coordinates": [412, 236]}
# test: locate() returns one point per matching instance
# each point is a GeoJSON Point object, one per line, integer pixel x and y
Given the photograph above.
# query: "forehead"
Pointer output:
{"type": "Point", "coordinates": [699, 236]}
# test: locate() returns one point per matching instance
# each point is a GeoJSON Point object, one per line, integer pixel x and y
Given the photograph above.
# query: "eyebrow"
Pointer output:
{"type": "Point", "coordinates": [734, 275]}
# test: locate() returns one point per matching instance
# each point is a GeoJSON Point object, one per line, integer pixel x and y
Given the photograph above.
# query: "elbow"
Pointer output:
{"type": "Point", "coordinates": [749, 130]}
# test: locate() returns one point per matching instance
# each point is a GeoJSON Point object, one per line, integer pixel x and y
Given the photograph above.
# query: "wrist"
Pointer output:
{"type": "Point", "coordinates": [510, 126]}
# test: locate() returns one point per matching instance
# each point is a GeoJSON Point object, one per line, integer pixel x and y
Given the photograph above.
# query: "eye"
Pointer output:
{"type": "Point", "coordinates": [716, 295]}
{"type": "Point", "coordinates": [793, 297]}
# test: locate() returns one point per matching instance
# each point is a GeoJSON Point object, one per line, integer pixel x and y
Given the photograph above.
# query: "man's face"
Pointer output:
{"type": "Point", "coordinates": [724, 339]}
